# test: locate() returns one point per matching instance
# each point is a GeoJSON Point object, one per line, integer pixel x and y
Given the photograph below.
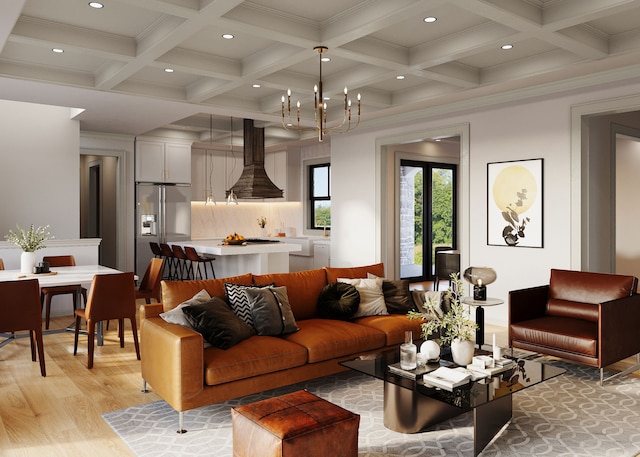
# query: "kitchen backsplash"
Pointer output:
{"type": "Point", "coordinates": [217, 221]}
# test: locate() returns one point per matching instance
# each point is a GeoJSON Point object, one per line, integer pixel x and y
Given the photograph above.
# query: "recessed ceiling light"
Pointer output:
{"type": "Point", "coordinates": [400, 77]}
{"type": "Point", "coordinates": [326, 59]}
{"type": "Point", "coordinates": [430, 19]}
{"type": "Point", "coordinates": [227, 36]}
{"type": "Point", "coordinates": [506, 46]}
{"type": "Point", "coordinates": [256, 86]}
{"type": "Point", "coordinates": [96, 5]}
{"type": "Point", "coordinates": [58, 50]}
{"type": "Point", "coordinates": [169, 70]}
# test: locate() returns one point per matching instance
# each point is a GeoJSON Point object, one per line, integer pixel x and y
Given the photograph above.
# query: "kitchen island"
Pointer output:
{"type": "Point", "coordinates": [251, 257]}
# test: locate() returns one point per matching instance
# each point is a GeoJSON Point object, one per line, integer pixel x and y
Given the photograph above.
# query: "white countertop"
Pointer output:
{"type": "Point", "coordinates": [217, 247]}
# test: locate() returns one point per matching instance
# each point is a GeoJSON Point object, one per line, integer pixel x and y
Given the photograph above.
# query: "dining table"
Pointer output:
{"type": "Point", "coordinates": [61, 276]}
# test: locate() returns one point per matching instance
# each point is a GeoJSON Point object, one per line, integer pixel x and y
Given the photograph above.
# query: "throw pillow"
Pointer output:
{"type": "Point", "coordinates": [397, 296]}
{"type": "Point", "coordinates": [217, 323]}
{"type": "Point", "coordinates": [338, 300]}
{"type": "Point", "coordinates": [421, 297]}
{"type": "Point", "coordinates": [237, 299]}
{"type": "Point", "coordinates": [371, 297]}
{"type": "Point", "coordinates": [271, 311]}
{"type": "Point", "coordinates": [176, 316]}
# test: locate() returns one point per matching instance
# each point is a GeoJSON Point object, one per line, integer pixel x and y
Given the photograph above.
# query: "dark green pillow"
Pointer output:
{"type": "Point", "coordinates": [217, 323]}
{"type": "Point", "coordinates": [271, 311]}
{"type": "Point", "coordinates": [397, 296]}
{"type": "Point", "coordinates": [338, 300]}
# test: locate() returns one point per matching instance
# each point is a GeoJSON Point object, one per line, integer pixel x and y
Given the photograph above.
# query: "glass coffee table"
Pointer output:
{"type": "Point", "coordinates": [411, 406]}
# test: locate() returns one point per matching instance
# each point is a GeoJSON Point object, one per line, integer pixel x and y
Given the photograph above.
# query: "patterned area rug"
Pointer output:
{"type": "Point", "coordinates": [570, 415]}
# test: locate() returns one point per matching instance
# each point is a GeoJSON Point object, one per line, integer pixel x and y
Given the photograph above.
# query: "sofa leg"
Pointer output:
{"type": "Point", "coordinates": [622, 373]}
{"type": "Point", "coordinates": [144, 390]}
{"type": "Point", "coordinates": [181, 423]}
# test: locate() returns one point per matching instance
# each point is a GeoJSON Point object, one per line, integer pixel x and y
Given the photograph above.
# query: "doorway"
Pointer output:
{"type": "Point", "coordinates": [427, 216]}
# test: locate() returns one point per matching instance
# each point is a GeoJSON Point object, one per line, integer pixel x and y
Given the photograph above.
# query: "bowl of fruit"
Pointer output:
{"type": "Point", "coordinates": [234, 239]}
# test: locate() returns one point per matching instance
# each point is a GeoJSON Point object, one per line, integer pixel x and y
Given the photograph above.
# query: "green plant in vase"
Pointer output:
{"type": "Point", "coordinates": [454, 327]}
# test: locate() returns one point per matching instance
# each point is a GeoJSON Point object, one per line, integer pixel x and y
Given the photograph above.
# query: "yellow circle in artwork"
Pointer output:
{"type": "Point", "coordinates": [515, 188]}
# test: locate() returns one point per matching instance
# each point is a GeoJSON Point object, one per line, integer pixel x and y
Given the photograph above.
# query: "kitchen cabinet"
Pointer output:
{"type": "Point", "coordinates": [275, 164]}
{"type": "Point", "coordinates": [159, 161]}
{"type": "Point", "coordinates": [219, 168]}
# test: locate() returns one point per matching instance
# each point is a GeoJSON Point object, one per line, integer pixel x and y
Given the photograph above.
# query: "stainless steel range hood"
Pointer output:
{"type": "Point", "coordinates": [254, 182]}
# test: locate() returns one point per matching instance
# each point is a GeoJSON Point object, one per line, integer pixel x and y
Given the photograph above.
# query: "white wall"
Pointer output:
{"type": "Point", "coordinates": [535, 129]}
{"type": "Point", "coordinates": [39, 180]}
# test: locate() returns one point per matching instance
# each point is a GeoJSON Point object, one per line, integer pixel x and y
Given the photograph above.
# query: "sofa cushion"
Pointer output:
{"type": "Point", "coordinates": [252, 357]}
{"type": "Point", "coordinates": [371, 296]}
{"type": "Point", "coordinates": [327, 339]}
{"type": "Point", "coordinates": [397, 296]}
{"type": "Point", "coordinates": [333, 273]}
{"type": "Point", "coordinates": [176, 316]}
{"type": "Point", "coordinates": [239, 302]}
{"type": "Point", "coordinates": [393, 326]}
{"type": "Point", "coordinates": [566, 334]}
{"type": "Point", "coordinates": [176, 292]}
{"type": "Point", "coordinates": [338, 300]}
{"type": "Point", "coordinates": [303, 288]}
{"type": "Point", "coordinates": [271, 311]}
{"type": "Point", "coordinates": [217, 323]}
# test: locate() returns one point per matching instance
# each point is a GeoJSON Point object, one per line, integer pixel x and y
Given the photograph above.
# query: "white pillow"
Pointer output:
{"type": "Point", "coordinates": [176, 316]}
{"type": "Point", "coordinates": [371, 296]}
{"type": "Point", "coordinates": [421, 297]}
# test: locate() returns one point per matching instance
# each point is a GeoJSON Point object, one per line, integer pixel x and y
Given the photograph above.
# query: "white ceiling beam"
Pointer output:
{"type": "Point", "coordinates": [565, 14]}
{"type": "Point", "coordinates": [10, 11]}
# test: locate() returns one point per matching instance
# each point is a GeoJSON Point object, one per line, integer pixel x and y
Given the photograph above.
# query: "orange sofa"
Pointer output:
{"type": "Point", "coordinates": [186, 375]}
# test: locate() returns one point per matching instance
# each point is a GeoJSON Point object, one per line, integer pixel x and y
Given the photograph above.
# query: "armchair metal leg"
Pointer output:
{"type": "Point", "coordinates": [144, 390]}
{"type": "Point", "coordinates": [622, 373]}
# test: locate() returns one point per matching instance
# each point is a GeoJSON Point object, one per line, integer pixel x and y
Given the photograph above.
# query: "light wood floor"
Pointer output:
{"type": "Point", "coordinates": [60, 415]}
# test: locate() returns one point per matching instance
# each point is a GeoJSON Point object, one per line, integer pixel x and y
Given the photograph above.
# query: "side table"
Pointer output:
{"type": "Point", "coordinates": [478, 304]}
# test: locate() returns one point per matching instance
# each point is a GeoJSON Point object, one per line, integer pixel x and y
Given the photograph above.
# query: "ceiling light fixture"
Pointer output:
{"type": "Point", "coordinates": [506, 46]}
{"type": "Point", "coordinates": [96, 5]}
{"type": "Point", "coordinates": [256, 86]}
{"type": "Point", "coordinates": [169, 70]}
{"type": "Point", "coordinates": [227, 36]}
{"type": "Point", "coordinates": [57, 50]}
{"type": "Point", "coordinates": [320, 109]}
{"type": "Point", "coordinates": [430, 19]}
{"type": "Point", "coordinates": [400, 77]}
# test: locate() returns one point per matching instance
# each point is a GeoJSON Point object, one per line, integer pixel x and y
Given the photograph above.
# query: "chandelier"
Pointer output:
{"type": "Point", "coordinates": [320, 109]}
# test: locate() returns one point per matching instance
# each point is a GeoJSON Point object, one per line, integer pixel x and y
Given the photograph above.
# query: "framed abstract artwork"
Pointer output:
{"type": "Point", "coordinates": [514, 203]}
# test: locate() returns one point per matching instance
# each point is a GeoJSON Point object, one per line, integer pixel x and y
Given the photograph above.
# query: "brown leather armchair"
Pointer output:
{"type": "Point", "coordinates": [589, 318]}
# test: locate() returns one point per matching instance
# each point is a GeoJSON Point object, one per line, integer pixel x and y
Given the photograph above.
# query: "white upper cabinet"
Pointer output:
{"type": "Point", "coordinates": [157, 161]}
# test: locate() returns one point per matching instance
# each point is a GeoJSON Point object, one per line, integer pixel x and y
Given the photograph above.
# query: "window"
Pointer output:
{"type": "Point", "coordinates": [320, 196]}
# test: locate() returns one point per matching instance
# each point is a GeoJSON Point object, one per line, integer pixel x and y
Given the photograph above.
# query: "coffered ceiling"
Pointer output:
{"type": "Point", "coordinates": [114, 59]}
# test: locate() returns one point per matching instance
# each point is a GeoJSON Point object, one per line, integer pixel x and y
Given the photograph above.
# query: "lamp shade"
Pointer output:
{"type": "Point", "coordinates": [480, 276]}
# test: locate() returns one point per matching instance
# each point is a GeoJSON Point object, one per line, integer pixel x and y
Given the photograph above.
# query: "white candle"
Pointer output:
{"type": "Point", "coordinates": [494, 340]}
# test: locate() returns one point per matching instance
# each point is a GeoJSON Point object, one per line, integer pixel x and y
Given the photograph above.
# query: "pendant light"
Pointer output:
{"type": "Point", "coordinates": [232, 198]}
{"type": "Point", "coordinates": [211, 200]}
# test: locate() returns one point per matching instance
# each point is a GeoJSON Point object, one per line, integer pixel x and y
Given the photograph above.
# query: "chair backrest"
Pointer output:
{"type": "Point", "coordinates": [60, 260]}
{"type": "Point", "coordinates": [192, 254]}
{"type": "Point", "coordinates": [152, 277]}
{"type": "Point", "coordinates": [178, 252]}
{"type": "Point", "coordinates": [155, 248]}
{"type": "Point", "coordinates": [112, 296]}
{"type": "Point", "coordinates": [1, 265]}
{"type": "Point", "coordinates": [20, 307]}
{"type": "Point", "coordinates": [166, 250]}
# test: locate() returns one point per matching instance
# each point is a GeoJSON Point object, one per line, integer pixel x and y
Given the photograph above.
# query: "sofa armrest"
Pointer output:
{"type": "Point", "coordinates": [172, 360]}
{"type": "Point", "coordinates": [150, 310]}
{"type": "Point", "coordinates": [619, 322]}
{"type": "Point", "coordinates": [525, 304]}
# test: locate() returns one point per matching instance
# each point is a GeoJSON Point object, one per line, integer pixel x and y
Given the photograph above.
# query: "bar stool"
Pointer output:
{"type": "Point", "coordinates": [194, 257]}
{"type": "Point", "coordinates": [180, 259]}
{"type": "Point", "coordinates": [167, 252]}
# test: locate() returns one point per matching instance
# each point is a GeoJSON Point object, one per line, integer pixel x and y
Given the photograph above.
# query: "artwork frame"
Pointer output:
{"type": "Point", "coordinates": [515, 203]}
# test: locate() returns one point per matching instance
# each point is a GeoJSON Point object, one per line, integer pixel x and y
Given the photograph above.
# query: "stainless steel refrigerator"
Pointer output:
{"type": "Point", "coordinates": [163, 215]}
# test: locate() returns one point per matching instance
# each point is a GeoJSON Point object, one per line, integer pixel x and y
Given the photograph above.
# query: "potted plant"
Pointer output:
{"type": "Point", "coordinates": [454, 327]}
{"type": "Point", "coordinates": [29, 241]}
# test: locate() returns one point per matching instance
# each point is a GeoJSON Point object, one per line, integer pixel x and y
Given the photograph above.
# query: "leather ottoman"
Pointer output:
{"type": "Point", "coordinates": [298, 424]}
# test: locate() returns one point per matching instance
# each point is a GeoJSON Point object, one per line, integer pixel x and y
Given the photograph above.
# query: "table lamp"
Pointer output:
{"type": "Point", "coordinates": [480, 277]}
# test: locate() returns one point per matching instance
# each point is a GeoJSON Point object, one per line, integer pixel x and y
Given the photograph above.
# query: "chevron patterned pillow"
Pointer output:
{"type": "Point", "coordinates": [239, 302]}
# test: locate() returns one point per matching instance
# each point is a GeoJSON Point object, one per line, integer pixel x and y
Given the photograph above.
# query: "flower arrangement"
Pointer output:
{"type": "Point", "coordinates": [455, 324]}
{"type": "Point", "coordinates": [262, 221]}
{"type": "Point", "coordinates": [29, 240]}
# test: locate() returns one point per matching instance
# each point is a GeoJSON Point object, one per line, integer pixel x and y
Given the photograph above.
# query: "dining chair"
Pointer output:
{"type": "Point", "coordinates": [47, 293]}
{"type": "Point", "coordinates": [197, 259]}
{"type": "Point", "coordinates": [150, 284]}
{"type": "Point", "coordinates": [112, 296]}
{"type": "Point", "coordinates": [20, 310]}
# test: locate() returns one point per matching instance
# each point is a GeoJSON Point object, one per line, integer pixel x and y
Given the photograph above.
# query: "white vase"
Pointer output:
{"type": "Point", "coordinates": [27, 262]}
{"type": "Point", "coordinates": [462, 351]}
{"type": "Point", "coordinates": [263, 232]}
